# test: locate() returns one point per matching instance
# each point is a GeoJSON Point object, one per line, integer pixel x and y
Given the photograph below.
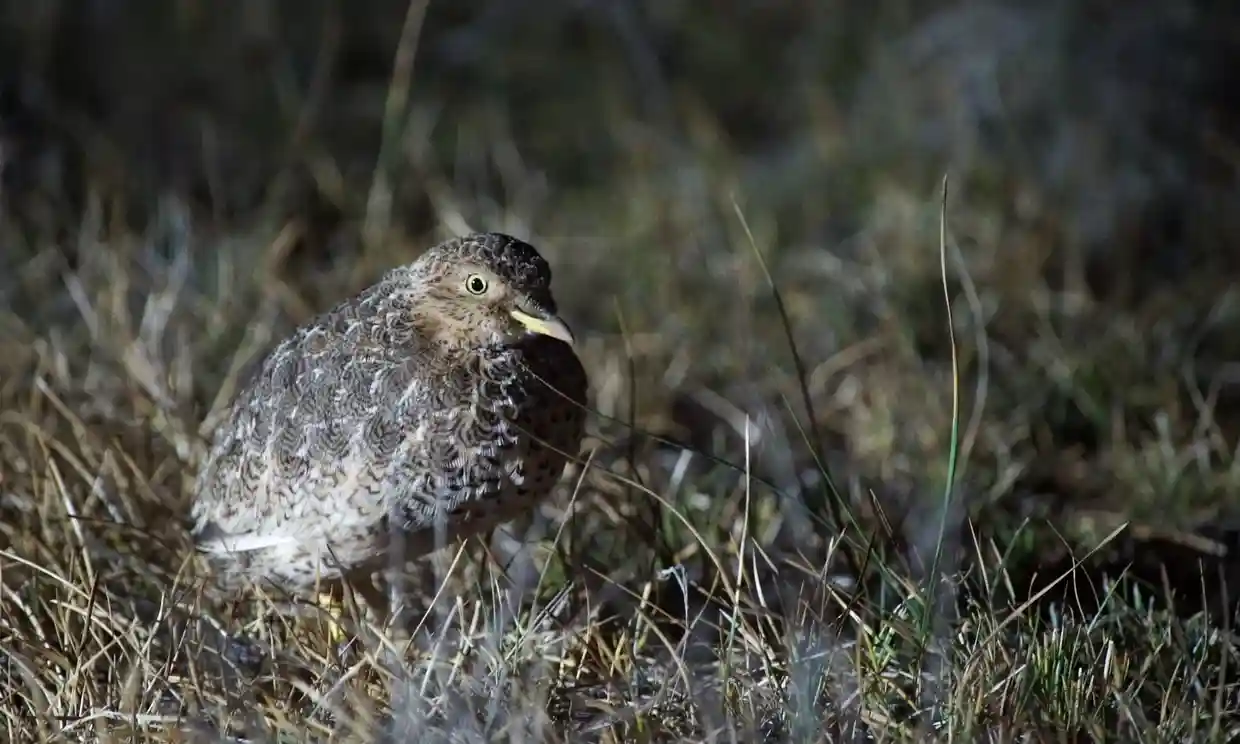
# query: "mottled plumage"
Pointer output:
{"type": "Point", "coordinates": [446, 394]}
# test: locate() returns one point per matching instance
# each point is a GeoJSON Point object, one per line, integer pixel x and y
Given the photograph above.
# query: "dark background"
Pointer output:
{"type": "Point", "coordinates": [1111, 121]}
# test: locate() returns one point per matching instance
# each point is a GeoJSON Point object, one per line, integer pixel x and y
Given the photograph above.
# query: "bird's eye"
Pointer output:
{"type": "Point", "coordinates": [476, 284]}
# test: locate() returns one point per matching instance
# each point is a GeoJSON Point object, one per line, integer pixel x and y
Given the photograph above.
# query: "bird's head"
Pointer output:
{"type": "Point", "coordinates": [486, 289]}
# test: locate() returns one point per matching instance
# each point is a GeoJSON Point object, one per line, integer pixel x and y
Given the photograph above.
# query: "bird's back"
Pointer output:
{"type": "Point", "coordinates": [299, 458]}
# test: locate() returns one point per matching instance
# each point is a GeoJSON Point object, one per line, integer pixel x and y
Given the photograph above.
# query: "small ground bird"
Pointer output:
{"type": "Point", "coordinates": [438, 403]}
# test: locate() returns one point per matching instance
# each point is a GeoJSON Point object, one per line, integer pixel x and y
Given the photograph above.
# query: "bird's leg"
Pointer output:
{"type": "Point", "coordinates": [369, 614]}
{"type": "Point", "coordinates": [399, 604]}
{"type": "Point", "coordinates": [376, 601]}
{"type": "Point", "coordinates": [410, 580]}
{"type": "Point", "coordinates": [412, 587]}
{"type": "Point", "coordinates": [511, 545]}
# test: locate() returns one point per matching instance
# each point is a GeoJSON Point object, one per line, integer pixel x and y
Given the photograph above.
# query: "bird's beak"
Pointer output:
{"type": "Point", "coordinates": [545, 324]}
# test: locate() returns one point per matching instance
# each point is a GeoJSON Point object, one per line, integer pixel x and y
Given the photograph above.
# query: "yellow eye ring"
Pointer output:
{"type": "Point", "coordinates": [476, 284]}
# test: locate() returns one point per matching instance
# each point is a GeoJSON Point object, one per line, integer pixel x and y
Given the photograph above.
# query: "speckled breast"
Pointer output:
{"type": "Point", "coordinates": [508, 446]}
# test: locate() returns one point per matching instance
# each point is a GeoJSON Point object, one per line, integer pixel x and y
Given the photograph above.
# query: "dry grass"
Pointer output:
{"type": "Point", "coordinates": [815, 504]}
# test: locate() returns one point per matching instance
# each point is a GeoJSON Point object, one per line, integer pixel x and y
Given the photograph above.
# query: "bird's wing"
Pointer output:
{"type": "Point", "coordinates": [303, 450]}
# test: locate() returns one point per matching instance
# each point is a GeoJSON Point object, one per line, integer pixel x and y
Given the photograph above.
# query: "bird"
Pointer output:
{"type": "Point", "coordinates": [436, 404]}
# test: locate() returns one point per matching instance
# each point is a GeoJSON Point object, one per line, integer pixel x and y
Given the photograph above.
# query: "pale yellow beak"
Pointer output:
{"type": "Point", "coordinates": [548, 326]}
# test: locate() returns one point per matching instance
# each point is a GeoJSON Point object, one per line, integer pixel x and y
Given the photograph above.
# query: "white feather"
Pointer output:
{"type": "Point", "coordinates": [245, 543]}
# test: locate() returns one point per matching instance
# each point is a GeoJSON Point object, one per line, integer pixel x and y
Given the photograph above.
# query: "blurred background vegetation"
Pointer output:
{"type": "Point", "coordinates": [265, 158]}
